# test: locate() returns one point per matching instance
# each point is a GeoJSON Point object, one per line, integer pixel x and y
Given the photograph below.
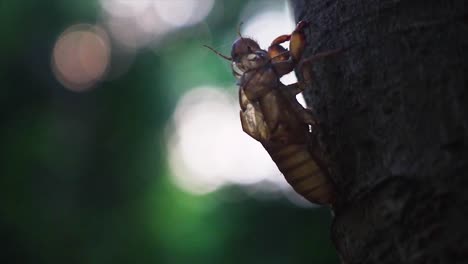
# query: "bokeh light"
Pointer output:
{"type": "Point", "coordinates": [81, 57]}
{"type": "Point", "coordinates": [180, 13]}
{"type": "Point", "coordinates": [208, 148]}
{"type": "Point", "coordinates": [135, 24]}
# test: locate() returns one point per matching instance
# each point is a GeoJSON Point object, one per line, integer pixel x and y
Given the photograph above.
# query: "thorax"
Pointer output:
{"type": "Point", "coordinates": [257, 83]}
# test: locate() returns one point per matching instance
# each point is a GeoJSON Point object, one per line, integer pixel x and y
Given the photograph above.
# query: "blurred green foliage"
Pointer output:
{"type": "Point", "coordinates": [84, 176]}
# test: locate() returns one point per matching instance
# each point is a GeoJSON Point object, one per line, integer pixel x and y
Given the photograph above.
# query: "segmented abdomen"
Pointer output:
{"type": "Point", "coordinates": [302, 172]}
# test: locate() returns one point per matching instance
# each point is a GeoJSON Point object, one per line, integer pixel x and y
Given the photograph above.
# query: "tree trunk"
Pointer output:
{"type": "Point", "coordinates": [393, 108]}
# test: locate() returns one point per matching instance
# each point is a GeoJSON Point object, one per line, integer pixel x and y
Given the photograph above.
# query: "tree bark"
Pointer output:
{"type": "Point", "coordinates": [393, 108]}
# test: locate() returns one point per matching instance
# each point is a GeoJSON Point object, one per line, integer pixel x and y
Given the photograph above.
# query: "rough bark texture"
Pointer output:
{"type": "Point", "coordinates": [394, 113]}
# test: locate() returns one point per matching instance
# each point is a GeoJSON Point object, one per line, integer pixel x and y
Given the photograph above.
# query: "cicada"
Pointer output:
{"type": "Point", "coordinates": [271, 114]}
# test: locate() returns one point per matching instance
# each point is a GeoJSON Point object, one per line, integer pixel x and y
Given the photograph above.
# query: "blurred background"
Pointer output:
{"type": "Point", "coordinates": [121, 140]}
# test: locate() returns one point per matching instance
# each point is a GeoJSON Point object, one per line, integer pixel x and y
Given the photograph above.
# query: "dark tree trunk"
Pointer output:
{"type": "Point", "coordinates": [393, 108]}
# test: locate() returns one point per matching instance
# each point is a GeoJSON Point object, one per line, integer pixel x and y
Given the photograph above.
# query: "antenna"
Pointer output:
{"type": "Point", "coordinates": [238, 29]}
{"type": "Point", "coordinates": [218, 53]}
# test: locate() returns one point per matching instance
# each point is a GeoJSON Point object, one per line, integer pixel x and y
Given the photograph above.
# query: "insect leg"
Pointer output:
{"type": "Point", "coordinates": [278, 52]}
{"type": "Point", "coordinates": [283, 67]}
{"type": "Point", "coordinates": [297, 42]}
{"type": "Point", "coordinates": [280, 39]}
{"type": "Point", "coordinates": [318, 56]}
{"type": "Point", "coordinates": [290, 92]}
{"type": "Point", "coordinates": [293, 89]}
{"type": "Point", "coordinates": [305, 66]}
